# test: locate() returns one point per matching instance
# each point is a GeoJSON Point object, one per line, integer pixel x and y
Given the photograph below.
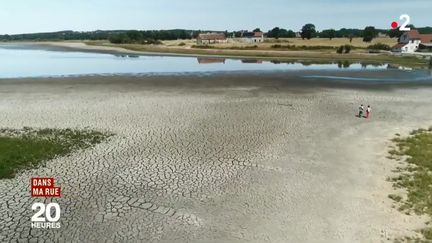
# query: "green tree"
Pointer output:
{"type": "Point", "coordinates": [394, 33]}
{"type": "Point", "coordinates": [331, 33]}
{"type": "Point", "coordinates": [369, 33]}
{"type": "Point", "coordinates": [351, 36]}
{"type": "Point", "coordinates": [257, 30]}
{"type": "Point", "coordinates": [280, 33]}
{"type": "Point", "coordinates": [290, 34]}
{"type": "Point", "coordinates": [274, 33]}
{"type": "Point", "coordinates": [121, 38]}
{"type": "Point", "coordinates": [134, 35]}
{"type": "Point", "coordinates": [308, 31]}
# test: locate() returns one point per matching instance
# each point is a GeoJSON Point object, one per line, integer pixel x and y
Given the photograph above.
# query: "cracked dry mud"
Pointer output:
{"type": "Point", "coordinates": [217, 162]}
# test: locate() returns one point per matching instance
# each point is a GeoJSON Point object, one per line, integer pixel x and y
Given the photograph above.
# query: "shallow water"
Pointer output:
{"type": "Point", "coordinates": [24, 60]}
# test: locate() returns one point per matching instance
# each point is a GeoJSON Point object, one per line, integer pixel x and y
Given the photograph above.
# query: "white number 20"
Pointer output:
{"type": "Point", "coordinates": [407, 19]}
{"type": "Point", "coordinates": [38, 216]}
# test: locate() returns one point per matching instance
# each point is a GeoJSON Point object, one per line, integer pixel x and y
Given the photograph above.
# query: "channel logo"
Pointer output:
{"type": "Point", "coordinates": [46, 216]}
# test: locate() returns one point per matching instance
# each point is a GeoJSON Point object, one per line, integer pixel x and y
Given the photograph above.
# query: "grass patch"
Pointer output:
{"type": "Point", "coordinates": [202, 46]}
{"type": "Point", "coordinates": [301, 47]}
{"type": "Point", "coordinates": [394, 197]}
{"type": "Point", "coordinates": [416, 177]}
{"type": "Point", "coordinates": [29, 148]}
{"type": "Point", "coordinates": [243, 47]}
{"type": "Point", "coordinates": [427, 233]}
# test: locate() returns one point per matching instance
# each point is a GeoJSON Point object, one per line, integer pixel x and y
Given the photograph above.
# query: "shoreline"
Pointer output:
{"type": "Point", "coordinates": [283, 80]}
{"type": "Point", "coordinates": [270, 55]}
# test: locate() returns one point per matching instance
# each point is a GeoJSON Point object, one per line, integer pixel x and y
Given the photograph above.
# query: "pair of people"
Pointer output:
{"type": "Point", "coordinates": [362, 109]}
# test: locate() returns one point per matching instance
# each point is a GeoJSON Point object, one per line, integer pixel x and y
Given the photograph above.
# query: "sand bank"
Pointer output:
{"type": "Point", "coordinates": [319, 55]}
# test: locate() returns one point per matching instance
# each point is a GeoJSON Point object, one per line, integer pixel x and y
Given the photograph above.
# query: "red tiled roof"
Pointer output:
{"type": "Point", "coordinates": [426, 38]}
{"type": "Point", "coordinates": [415, 35]}
{"type": "Point", "coordinates": [258, 34]}
{"type": "Point", "coordinates": [398, 46]}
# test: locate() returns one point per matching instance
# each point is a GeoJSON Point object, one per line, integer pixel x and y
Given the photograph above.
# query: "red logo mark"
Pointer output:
{"type": "Point", "coordinates": [44, 187]}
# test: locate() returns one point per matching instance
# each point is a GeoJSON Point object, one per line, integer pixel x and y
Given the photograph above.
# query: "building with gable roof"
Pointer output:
{"type": "Point", "coordinates": [413, 41]}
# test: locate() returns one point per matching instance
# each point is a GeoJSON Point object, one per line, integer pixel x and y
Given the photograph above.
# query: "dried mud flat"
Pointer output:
{"type": "Point", "coordinates": [219, 158]}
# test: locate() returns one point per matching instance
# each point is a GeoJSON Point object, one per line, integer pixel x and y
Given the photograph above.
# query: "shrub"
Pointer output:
{"type": "Point", "coordinates": [276, 46]}
{"type": "Point", "coordinates": [379, 46]}
{"type": "Point", "coordinates": [182, 44]}
{"type": "Point", "coordinates": [347, 48]}
{"type": "Point", "coordinates": [242, 47]}
{"type": "Point", "coordinates": [344, 49]}
{"type": "Point", "coordinates": [300, 48]}
{"type": "Point", "coordinates": [202, 46]}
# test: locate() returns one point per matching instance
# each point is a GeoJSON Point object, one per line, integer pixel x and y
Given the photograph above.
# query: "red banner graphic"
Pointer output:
{"type": "Point", "coordinates": [44, 187]}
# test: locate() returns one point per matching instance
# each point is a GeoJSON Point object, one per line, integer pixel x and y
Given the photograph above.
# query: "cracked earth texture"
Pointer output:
{"type": "Point", "coordinates": [220, 158]}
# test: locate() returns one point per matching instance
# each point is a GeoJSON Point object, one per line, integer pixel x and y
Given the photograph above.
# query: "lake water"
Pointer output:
{"type": "Point", "coordinates": [18, 61]}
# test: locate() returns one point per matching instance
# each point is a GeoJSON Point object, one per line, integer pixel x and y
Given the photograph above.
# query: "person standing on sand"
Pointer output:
{"type": "Point", "coordinates": [361, 109]}
{"type": "Point", "coordinates": [368, 111]}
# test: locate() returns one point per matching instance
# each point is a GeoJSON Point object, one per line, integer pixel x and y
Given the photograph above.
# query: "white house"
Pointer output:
{"type": "Point", "coordinates": [252, 37]}
{"type": "Point", "coordinates": [411, 41]}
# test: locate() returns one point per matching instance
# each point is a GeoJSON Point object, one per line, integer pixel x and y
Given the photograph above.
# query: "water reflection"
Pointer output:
{"type": "Point", "coordinates": [252, 61]}
{"type": "Point", "coordinates": [344, 64]}
{"type": "Point", "coordinates": [210, 60]}
{"type": "Point", "coordinates": [21, 61]}
{"type": "Point", "coordinates": [340, 64]}
{"type": "Point", "coordinates": [126, 56]}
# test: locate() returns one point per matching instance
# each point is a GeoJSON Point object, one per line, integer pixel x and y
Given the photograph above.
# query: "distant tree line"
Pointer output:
{"type": "Point", "coordinates": [155, 36]}
{"type": "Point", "coordinates": [60, 35]}
{"type": "Point", "coordinates": [280, 33]}
{"type": "Point", "coordinates": [149, 36]}
{"type": "Point", "coordinates": [115, 36]}
{"type": "Point", "coordinates": [309, 31]}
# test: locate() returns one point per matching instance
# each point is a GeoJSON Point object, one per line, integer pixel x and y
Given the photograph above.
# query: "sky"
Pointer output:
{"type": "Point", "coordinates": [30, 16]}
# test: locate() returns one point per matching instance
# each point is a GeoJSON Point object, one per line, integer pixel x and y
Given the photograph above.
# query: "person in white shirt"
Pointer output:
{"type": "Point", "coordinates": [368, 111]}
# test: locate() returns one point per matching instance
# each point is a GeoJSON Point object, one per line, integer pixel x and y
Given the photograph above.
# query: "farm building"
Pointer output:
{"type": "Point", "coordinates": [252, 37]}
{"type": "Point", "coordinates": [425, 47]}
{"type": "Point", "coordinates": [211, 38]}
{"type": "Point", "coordinates": [412, 41]}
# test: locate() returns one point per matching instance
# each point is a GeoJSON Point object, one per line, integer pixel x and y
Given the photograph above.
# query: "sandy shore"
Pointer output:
{"type": "Point", "coordinates": [221, 158]}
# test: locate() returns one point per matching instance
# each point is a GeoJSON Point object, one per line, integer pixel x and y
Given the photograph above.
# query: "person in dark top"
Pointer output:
{"type": "Point", "coordinates": [361, 109]}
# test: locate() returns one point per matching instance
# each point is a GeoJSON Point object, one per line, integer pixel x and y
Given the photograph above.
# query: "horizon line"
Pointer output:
{"type": "Point", "coordinates": [56, 31]}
